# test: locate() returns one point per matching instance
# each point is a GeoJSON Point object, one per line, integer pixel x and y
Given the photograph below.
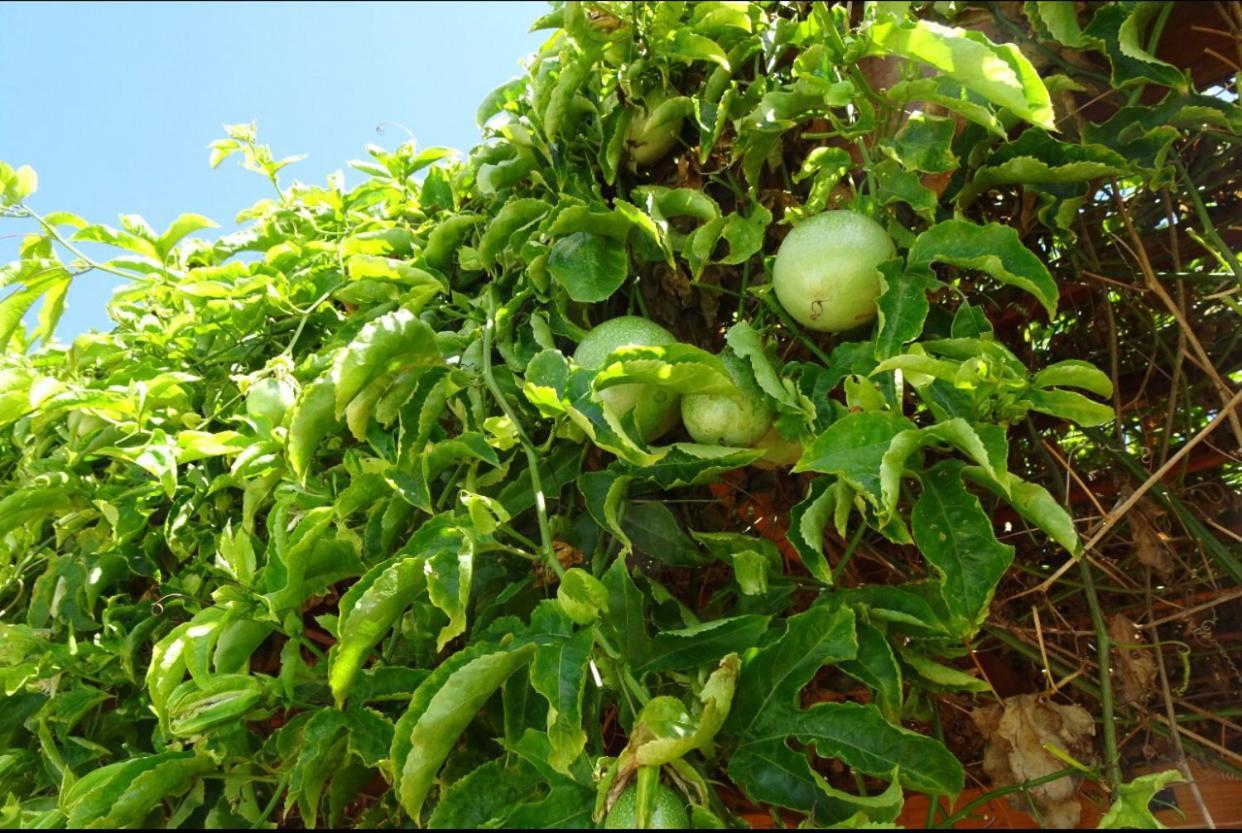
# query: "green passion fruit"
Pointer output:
{"type": "Point", "coordinates": [739, 419]}
{"type": "Point", "coordinates": [778, 452]}
{"type": "Point", "coordinates": [825, 273]}
{"type": "Point", "coordinates": [270, 399]}
{"type": "Point", "coordinates": [669, 813]}
{"type": "Point", "coordinates": [655, 409]}
{"type": "Point", "coordinates": [649, 143]}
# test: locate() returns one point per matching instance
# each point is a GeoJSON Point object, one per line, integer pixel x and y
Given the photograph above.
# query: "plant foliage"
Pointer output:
{"type": "Point", "coordinates": [447, 586]}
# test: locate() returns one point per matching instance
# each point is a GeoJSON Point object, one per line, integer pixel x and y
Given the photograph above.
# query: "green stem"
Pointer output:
{"type": "Point", "coordinates": [933, 801]}
{"type": "Point", "coordinates": [1157, 29]}
{"type": "Point", "coordinates": [964, 813]}
{"type": "Point", "coordinates": [271, 804]}
{"type": "Point", "coordinates": [92, 263]}
{"type": "Point", "coordinates": [1085, 685]}
{"type": "Point", "coordinates": [789, 323]}
{"type": "Point", "coordinates": [1209, 228]}
{"type": "Point", "coordinates": [532, 457]}
{"type": "Point", "coordinates": [849, 552]}
{"type": "Point", "coordinates": [1104, 648]}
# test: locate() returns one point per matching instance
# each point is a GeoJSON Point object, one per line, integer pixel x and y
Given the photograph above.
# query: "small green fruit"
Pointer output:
{"type": "Point", "coordinates": [738, 419]}
{"type": "Point", "coordinates": [669, 813]}
{"type": "Point", "coordinates": [270, 399]}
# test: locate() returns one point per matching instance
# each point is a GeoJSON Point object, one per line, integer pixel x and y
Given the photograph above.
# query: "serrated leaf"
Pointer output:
{"type": "Point", "coordinates": [397, 338]}
{"type": "Point", "coordinates": [876, 667]}
{"type": "Point", "coordinates": [998, 72]}
{"type": "Point", "coordinates": [558, 671]}
{"type": "Point", "coordinates": [853, 448]}
{"type": "Point", "coordinates": [994, 249]}
{"type": "Point", "coordinates": [901, 308]}
{"type": "Point", "coordinates": [1132, 807]}
{"type": "Point", "coordinates": [807, 521]}
{"type": "Point", "coordinates": [588, 266]}
{"type": "Point", "coordinates": [441, 709]}
{"type": "Point", "coordinates": [955, 536]}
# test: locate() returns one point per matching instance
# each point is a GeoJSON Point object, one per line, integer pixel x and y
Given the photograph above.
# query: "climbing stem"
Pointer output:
{"type": "Point", "coordinates": [532, 457]}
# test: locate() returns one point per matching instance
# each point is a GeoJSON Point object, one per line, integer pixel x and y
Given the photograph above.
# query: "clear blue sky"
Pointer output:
{"type": "Point", "coordinates": [114, 104]}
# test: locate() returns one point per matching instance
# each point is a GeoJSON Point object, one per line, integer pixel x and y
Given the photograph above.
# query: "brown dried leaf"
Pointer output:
{"type": "Point", "coordinates": [1148, 546]}
{"type": "Point", "coordinates": [1135, 671]}
{"type": "Point", "coordinates": [1016, 732]}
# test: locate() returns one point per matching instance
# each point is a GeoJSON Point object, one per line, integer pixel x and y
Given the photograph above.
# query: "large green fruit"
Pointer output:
{"type": "Point", "coordinates": [270, 399]}
{"type": "Point", "coordinates": [649, 143]}
{"type": "Point", "coordinates": [738, 419]}
{"type": "Point", "coordinates": [778, 452]}
{"type": "Point", "coordinates": [669, 813]}
{"type": "Point", "coordinates": [825, 273]}
{"type": "Point", "coordinates": [655, 408]}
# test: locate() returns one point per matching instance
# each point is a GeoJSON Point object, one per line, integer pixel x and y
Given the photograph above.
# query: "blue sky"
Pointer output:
{"type": "Point", "coordinates": [114, 104]}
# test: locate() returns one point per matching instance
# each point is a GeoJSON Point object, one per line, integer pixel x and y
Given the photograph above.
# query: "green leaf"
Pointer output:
{"type": "Point", "coordinates": [26, 505]}
{"type": "Point", "coordinates": [1056, 21]}
{"type": "Point", "coordinates": [582, 596]}
{"type": "Point", "coordinates": [1066, 404]}
{"type": "Point", "coordinates": [516, 214]}
{"type": "Point", "coordinates": [684, 44]}
{"type": "Point", "coordinates": [744, 341]}
{"type": "Point", "coordinates": [661, 739]}
{"type": "Point", "coordinates": [771, 680]}
{"type": "Point", "coordinates": [123, 793]}
{"type": "Point", "coordinates": [1074, 373]}
{"type": "Point", "coordinates": [1036, 159]}
{"type": "Point", "coordinates": [943, 676]}
{"type": "Point", "coordinates": [1132, 807]}
{"type": "Point", "coordinates": [955, 432]}
{"type": "Point", "coordinates": [955, 536]}
{"type": "Point", "coordinates": [876, 667]}
{"type": "Point", "coordinates": [588, 266]}
{"type": "Point", "coordinates": [396, 340]}
{"type": "Point", "coordinates": [314, 417]}
{"type": "Point", "coordinates": [680, 368]}
{"type": "Point", "coordinates": [901, 308]}
{"type": "Point", "coordinates": [439, 712]}
{"type": "Point", "coordinates": [807, 521]}
{"type": "Point", "coordinates": [653, 530]}
{"type": "Point", "coordinates": [181, 228]}
{"type": "Point", "coordinates": [861, 737]}
{"type": "Point", "coordinates": [558, 671]}
{"type": "Point", "coordinates": [1034, 503]}
{"type": "Point", "coordinates": [853, 448]}
{"type": "Point", "coordinates": [16, 185]}
{"type": "Point", "coordinates": [686, 648]}
{"type": "Point", "coordinates": [925, 144]}
{"type": "Point", "coordinates": [368, 610]}
{"type": "Point", "coordinates": [994, 249]}
{"type": "Point", "coordinates": [999, 73]}
{"type": "Point", "coordinates": [1120, 30]}
{"type": "Point", "coordinates": [486, 794]}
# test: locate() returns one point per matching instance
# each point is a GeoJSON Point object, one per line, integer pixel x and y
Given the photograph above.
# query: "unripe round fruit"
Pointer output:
{"type": "Point", "coordinates": [825, 273]}
{"type": "Point", "coordinates": [740, 419]}
{"type": "Point", "coordinates": [778, 451]}
{"type": "Point", "coordinates": [657, 407]}
{"type": "Point", "coordinates": [270, 399]}
{"type": "Point", "coordinates": [668, 813]}
{"type": "Point", "coordinates": [647, 145]}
